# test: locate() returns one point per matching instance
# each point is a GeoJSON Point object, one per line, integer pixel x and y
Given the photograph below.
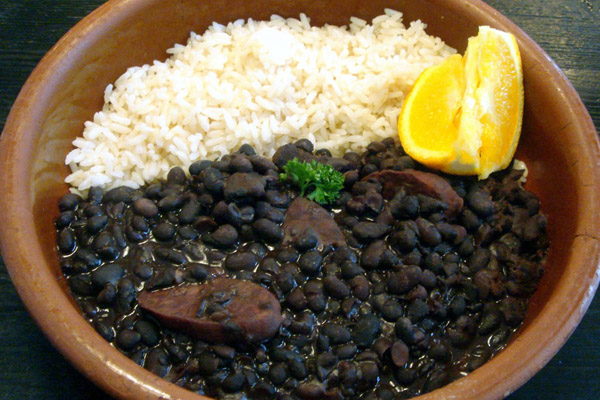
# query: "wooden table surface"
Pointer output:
{"type": "Point", "coordinates": [30, 368]}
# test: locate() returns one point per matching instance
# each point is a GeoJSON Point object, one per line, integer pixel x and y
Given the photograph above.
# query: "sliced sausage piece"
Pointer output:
{"type": "Point", "coordinates": [419, 182]}
{"type": "Point", "coordinates": [303, 215]}
{"type": "Point", "coordinates": [220, 311]}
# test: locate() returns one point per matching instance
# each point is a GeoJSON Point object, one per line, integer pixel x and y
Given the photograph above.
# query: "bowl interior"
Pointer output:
{"type": "Point", "coordinates": [558, 144]}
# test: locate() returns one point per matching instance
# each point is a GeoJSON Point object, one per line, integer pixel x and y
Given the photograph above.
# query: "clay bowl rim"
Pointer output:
{"type": "Point", "coordinates": [120, 377]}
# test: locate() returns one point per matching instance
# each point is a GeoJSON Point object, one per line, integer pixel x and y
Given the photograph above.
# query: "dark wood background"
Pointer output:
{"type": "Point", "coordinates": [30, 368]}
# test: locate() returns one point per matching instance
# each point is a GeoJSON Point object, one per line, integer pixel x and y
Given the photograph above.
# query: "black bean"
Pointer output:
{"type": "Point", "coordinates": [316, 302]}
{"type": "Point", "coordinates": [373, 202]}
{"type": "Point", "coordinates": [458, 306]}
{"type": "Point", "coordinates": [512, 310]}
{"type": "Point", "coordinates": [234, 382]}
{"type": "Point", "coordinates": [104, 330]}
{"type": "Point", "coordinates": [310, 262]}
{"type": "Point", "coordinates": [64, 219]}
{"type": "Point", "coordinates": [140, 224]}
{"type": "Point", "coordinates": [145, 207]}
{"type": "Point", "coordinates": [391, 310]}
{"type": "Point", "coordinates": [143, 270]}
{"type": "Point", "coordinates": [241, 186]}
{"type": "Point", "coordinates": [189, 212]}
{"type": "Point", "coordinates": [213, 180]}
{"type": "Point", "coordinates": [399, 353]}
{"type": "Point", "coordinates": [429, 205]}
{"type": "Point", "coordinates": [127, 339]}
{"type": "Point", "coordinates": [69, 201]}
{"type": "Point", "coordinates": [376, 255]}
{"type": "Point", "coordinates": [187, 233]}
{"type": "Point", "coordinates": [356, 205]}
{"type": "Point", "coordinates": [119, 194]}
{"type": "Point", "coordinates": [262, 390]}
{"type": "Point", "coordinates": [370, 373]}
{"type": "Point", "coordinates": [466, 248]}
{"type": "Point", "coordinates": [480, 202]}
{"type": "Point", "coordinates": [376, 147]}
{"type": "Point", "coordinates": [262, 209]}
{"type": "Point", "coordinates": [277, 198]}
{"type": "Point", "coordinates": [157, 362]}
{"type": "Point", "coordinates": [368, 231]}
{"type": "Point", "coordinates": [224, 352]}
{"type": "Point", "coordinates": [164, 231]}
{"type": "Point", "coordinates": [240, 163]}
{"type": "Point", "coordinates": [267, 230]}
{"type": "Point", "coordinates": [360, 287]}
{"type": "Point", "coordinates": [350, 270]}
{"type": "Point", "coordinates": [171, 203]}
{"type": "Point", "coordinates": [305, 144]}
{"type": "Point", "coordinates": [285, 281]}
{"type": "Point", "coordinates": [478, 260]}
{"type": "Point", "coordinates": [227, 213]}
{"type": "Point", "coordinates": [310, 391]}
{"type": "Point", "coordinates": [346, 351]}
{"type": "Point", "coordinates": [81, 284]}
{"type": "Point", "coordinates": [107, 295]}
{"type": "Point", "coordinates": [407, 207]}
{"type": "Point", "coordinates": [247, 150]}
{"type": "Point", "coordinates": [428, 233]}
{"type": "Point", "coordinates": [134, 235]}
{"type": "Point", "coordinates": [66, 241]}
{"type": "Point", "coordinates": [223, 163]}
{"type": "Point", "coordinates": [404, 240]}
{"type": "Point", "coordinates": [242, 260]}
{"type": "Point", "coordinates": [348, 373]}
{"type": "Point", "coordinates": [261, 164]}
{"type": "Point", "coordinates": [336, 333]}
{"type": "Point", "coordinates": [433, 262]}
{"type": "Point", "coordinates": [162, 278]}
{"type": "Point", "coordinates": [109, 273]}
{"type": "Point", "coordinates": [404, 280]}
{"type": "Point", "coordinates": [278, 373]}
{"type": "Point", "coordinates": [406, 331]}
{"type": "Point", "coordinates": [450, 268]}
{"type": "Point", "coordinates": [417, 310]}
{"type": "Point", "coordinates": [366, 329]}
{"type": "Point", "coordinates": [297, 368]}
{"type": "Point", "coordinates": [198, 166]}
{"type": "Point", "coordinates": [534, 227]}
{"type": "Point", "coordinates": [96, 223]}
{"type": "Point", "coordinates": [303, 323]}
{"type": "Point", "coordinates": [307, 240]}
{"type": "Point", "coordinates": [149, 332]}
{"type": "Point", "coordinates": [247, 214]}
{"type": "Point", "coordinates": [490, 320]}
{"type": "Point", "coordinates": [207, 363]}
{"type": "Point", "coordinates": [368, 169]}
{"type": "Point", "coordinates": [177, 353]}
{"type": "Point", "coordinates": [172, 255]}
{"type": "Point", "coordinates": [225, 236]}
{"type": "Point", "coordinates": [95, 195]}
{"type": "Point", "coordinates": [296, 299]}
{"type": "Point", "coordinates": [335, 287]}
{"type": "Point", "coordinates": [198, 271]}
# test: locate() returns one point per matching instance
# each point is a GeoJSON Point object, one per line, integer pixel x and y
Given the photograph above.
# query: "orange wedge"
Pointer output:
{"type": "Point", "coordinates": [464, 115]}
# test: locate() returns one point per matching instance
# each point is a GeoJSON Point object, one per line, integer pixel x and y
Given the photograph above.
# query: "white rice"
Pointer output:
{"type": "Point", "coordinates": [263, 83]}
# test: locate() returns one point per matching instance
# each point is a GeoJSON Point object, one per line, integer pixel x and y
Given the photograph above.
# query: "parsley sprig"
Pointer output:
{"type": "Point", "coordinates": [323, 182]}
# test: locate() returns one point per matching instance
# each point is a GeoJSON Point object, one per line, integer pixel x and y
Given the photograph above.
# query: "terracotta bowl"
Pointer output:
{"type": "Point", "coordinates": [559, 144]}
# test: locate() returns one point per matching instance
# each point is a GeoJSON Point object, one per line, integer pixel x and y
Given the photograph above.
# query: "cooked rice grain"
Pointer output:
{"type": "Point", "coordinates": [263, 83]}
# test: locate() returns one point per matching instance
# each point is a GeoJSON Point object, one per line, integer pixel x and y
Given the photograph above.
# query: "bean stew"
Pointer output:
{"type": "Point", "coordinates": [227, 282]}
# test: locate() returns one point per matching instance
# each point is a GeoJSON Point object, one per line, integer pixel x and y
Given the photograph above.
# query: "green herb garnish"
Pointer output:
{"type": "Point", "coordinates": [324, 181]}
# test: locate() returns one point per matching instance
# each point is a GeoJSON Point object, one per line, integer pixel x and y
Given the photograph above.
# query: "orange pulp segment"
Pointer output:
{"type": "Point", "coordinates": [464, 115]}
